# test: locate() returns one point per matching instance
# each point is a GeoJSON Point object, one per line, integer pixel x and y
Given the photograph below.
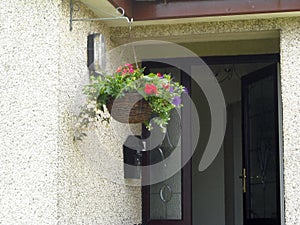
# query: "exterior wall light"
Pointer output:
{"type": "Point", "coordinates": [96, 56]}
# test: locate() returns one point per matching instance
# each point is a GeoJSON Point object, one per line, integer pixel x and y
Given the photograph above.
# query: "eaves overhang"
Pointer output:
{"type": "Point", "coordinates": [163, 14]}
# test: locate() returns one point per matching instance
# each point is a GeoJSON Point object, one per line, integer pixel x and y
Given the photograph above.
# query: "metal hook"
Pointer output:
{"type": "Point", "coordinates": [120, 10]}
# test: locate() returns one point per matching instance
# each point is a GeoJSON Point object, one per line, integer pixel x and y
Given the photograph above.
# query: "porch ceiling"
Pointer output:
{"type": "Point", "coordinates": [230, 36]}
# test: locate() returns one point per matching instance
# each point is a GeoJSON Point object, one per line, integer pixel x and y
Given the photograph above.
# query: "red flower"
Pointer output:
{"type": "Point", "coordinates": [159, 75]}
{"type": "Point", "coordinates": [150, 89]}
{"type": "Point", "coordinates": [166, 86]}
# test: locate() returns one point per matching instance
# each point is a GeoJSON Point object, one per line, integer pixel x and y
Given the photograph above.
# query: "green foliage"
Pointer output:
{"type": "Point", "coordinates": [158, 89]}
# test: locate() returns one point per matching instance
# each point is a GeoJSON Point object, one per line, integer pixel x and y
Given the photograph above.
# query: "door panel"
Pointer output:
{"type": "Point", "coordinates": [169, 202]}
{"type": "Point", "coordinates": [260, 148]}
{"type": "Point", "coordinates": [166, 196]}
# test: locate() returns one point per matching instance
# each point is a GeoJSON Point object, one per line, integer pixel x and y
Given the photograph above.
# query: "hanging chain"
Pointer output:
{"type": "Point", "coordinates": [132, 45]}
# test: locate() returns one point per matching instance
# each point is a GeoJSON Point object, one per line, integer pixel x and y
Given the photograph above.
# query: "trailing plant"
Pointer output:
{"type": "Point", "coordinates": [159, 90]}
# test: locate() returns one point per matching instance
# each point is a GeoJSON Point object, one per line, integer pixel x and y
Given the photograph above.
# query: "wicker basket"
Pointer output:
{"type": "Point", "coordinates": [130, 108]}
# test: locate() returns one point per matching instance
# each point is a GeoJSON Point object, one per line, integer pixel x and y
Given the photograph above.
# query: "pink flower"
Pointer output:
{"type": "Point", "coordinates": [150, 89]}
{"type": "Point", "coordinates": [128, 65]}
{"type": "Point", "coordinates": [124, 71]}
{"type": "Point", "coordinates": [119, 69]}
{"type": "Point", "coordinates": [131, 70]}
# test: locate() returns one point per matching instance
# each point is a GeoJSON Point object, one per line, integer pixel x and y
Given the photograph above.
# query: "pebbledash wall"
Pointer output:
{"type": "Point", "coordinates": [46, 177]}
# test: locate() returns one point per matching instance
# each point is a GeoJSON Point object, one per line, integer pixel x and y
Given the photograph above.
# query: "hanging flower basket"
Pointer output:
{"type": "Point", "coordinates": [130, 96]}
{"type": "Point", "coordinates": [129, 108]}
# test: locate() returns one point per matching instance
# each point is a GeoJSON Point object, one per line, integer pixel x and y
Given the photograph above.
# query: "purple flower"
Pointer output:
{"type": "Point", "coordinates": [185, 90]}
{"type": "Point", "coordinates": [176, 100]}
{"type": "Point", "coordinates": [171, 89]}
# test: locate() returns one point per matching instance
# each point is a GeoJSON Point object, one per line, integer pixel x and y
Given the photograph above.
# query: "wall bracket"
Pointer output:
{"type": "Point", "coordinates": [75, 6]}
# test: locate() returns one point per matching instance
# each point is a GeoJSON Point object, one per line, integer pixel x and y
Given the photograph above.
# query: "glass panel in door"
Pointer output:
{"type": "Point", "coordinates": [261, 147]}
{"type": "Point", "coordinates": [165, 197]}
{"type": "Point", "coordinates": [169, 201]}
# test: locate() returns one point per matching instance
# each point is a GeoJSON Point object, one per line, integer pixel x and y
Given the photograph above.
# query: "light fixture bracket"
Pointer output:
{"type": "Point", "coordinates": [75, 6]}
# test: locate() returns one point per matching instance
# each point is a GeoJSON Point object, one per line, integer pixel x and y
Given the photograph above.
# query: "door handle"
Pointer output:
{"type": "Point", "coordinates": [244, 176]}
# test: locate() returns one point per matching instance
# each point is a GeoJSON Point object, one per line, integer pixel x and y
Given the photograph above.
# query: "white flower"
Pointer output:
{"type": "Point", "coordinates": [90, 106]}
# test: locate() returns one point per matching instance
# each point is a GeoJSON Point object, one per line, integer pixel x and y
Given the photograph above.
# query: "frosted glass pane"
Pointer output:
{"type": "Point", "coordinates": [166, 197]}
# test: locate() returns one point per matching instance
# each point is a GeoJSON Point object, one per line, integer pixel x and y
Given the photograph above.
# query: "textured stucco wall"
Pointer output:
{"type": "Point", "coordinates": [289, 68]}
{"type": "Point", "coordinates": [29, 59]}
{"type": "Point", "coordinates": [45, 177]}
{"type": "Point", "coordinates": [88, 194]}
{"type": "Point", "coordinates": [290, 71]}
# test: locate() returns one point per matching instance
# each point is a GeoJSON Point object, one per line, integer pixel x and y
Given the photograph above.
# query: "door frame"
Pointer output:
{"type": "Point", "coordinates": [216, 60]}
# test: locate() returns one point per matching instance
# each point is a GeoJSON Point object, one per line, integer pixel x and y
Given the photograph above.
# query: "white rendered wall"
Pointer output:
{"type": "Point", "coordinates": [29, 62]}
{"type": "Point", "coordinates": [45, 177]}
{"type": "Point", "coordinates": [87, 193]}
{"type": "Point", "coordinates": [290, 82]}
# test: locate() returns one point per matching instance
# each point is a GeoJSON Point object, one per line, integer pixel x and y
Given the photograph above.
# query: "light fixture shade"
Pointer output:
{"type": "Point", "coordinates": [96, 53]}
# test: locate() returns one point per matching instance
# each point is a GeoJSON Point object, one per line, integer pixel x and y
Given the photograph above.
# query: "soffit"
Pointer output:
{"type": "Point", "coordinates": [103, 9]}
